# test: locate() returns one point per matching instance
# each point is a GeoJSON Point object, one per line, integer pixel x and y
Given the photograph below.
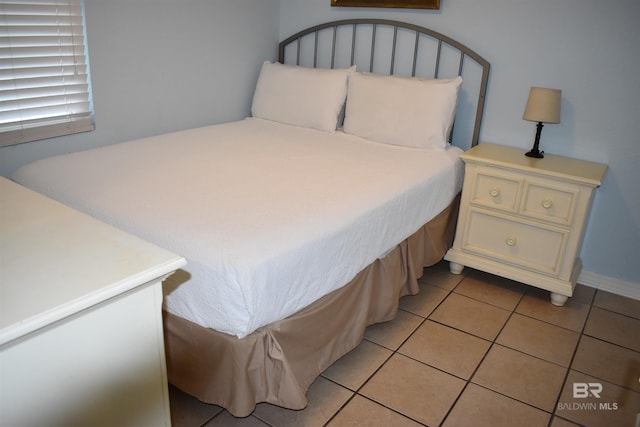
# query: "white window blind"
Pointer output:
{"type": "Point", "coordinates": [44, 83]}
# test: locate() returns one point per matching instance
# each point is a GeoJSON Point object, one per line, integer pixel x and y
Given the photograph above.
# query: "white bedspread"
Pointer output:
{"type": "Point", "coordinates": [270, 217]}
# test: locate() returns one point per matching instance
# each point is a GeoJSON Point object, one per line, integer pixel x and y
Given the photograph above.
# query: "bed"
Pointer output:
{"type": "Point", "coordinates": [304, 223]}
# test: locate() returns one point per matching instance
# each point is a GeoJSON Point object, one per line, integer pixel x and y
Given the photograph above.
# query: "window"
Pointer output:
{"type": "Point", "coordinates": [44, 83]}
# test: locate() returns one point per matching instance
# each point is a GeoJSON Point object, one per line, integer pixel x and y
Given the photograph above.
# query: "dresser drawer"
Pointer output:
{"type": "Point", "coordinates": [548, 202]}
{"type": "Point", "coordinates": [496, 190]}
{"type": "Point", "coordinates": [522, 243]}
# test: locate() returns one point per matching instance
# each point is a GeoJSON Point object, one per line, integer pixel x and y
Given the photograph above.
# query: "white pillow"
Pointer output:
{"type": "Point", "coordinates": [401, 110]}
{"type": "Point", "coordinates": [307, 97]}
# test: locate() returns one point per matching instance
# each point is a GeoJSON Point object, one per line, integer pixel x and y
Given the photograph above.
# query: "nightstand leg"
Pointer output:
{"type": "Point", "coordinates": [558, 300]}
{"type": "Point", "coordinates": [455, 268]}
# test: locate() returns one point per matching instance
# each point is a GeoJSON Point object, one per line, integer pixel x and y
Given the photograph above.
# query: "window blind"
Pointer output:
{"type": "Point", "coordinates": [44, 83]}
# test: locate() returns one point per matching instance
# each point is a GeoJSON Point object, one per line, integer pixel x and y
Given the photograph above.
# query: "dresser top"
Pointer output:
{"type": "Point", "coordinates": [561, 167]}
{"type": "Point", "coordinates": [56, 261]}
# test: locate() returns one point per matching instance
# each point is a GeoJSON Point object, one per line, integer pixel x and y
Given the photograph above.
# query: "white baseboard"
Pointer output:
{"type": "Point", "coordinates": [610, 284]}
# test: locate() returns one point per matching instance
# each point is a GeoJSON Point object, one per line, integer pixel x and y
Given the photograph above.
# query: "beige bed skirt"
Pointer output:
{"type": "Point", "coordinates": [277, 363]}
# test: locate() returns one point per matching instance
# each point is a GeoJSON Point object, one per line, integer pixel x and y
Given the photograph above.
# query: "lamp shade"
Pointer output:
{"type": "Point", "coordinates": [543, 105]}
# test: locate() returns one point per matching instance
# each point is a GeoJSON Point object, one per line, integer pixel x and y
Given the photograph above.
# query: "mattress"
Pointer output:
{"type": "Point", "coordinates": [270, 217]}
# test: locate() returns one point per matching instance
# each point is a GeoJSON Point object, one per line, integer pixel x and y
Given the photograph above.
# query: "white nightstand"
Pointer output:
{"type": "Point", "coordinates": [524, 218]}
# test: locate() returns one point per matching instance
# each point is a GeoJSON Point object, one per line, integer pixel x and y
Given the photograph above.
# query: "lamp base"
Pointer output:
{"type": "Point", "coordinates": [535, 153]}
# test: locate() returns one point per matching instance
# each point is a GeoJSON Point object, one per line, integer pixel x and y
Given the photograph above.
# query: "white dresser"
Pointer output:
{"type": "Point", "coordinates": [81, 340]}
{"type": "Point", "coordinates": [524, 218]}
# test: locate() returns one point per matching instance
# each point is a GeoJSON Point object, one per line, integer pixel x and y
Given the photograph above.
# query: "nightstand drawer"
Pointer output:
{"type": "Point", "coordinates": [521, 243]}
{"type": "Point", "coordinates": [549, 203]}
{"type": "Point", "coordinates": [496, 191]}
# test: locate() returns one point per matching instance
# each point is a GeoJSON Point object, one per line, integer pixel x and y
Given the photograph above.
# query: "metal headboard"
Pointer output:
{"type": "Point", "coordinates": [392, 47]}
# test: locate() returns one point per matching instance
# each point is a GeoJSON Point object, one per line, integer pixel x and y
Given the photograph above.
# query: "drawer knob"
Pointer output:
{"type": "Point", "coordinates": [494, 192]}
{"type": "Point", "coordinates": [546, 203]}
{"type": "Point", "coordinates": [511, 241]}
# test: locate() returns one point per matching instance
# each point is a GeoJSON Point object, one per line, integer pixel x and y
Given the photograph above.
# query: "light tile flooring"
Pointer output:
{"type": "Point", "coordinates": [473, 350]}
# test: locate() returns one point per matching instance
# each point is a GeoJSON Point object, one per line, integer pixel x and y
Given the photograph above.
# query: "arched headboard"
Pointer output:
{"type": "Point", "coordinates": [391, 47]}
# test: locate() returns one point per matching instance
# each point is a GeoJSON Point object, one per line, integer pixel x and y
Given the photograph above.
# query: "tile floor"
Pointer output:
{"type": "Point", "coordinates": [473, 350]}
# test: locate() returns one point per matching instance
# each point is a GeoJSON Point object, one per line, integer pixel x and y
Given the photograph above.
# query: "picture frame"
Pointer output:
{"type": "Point", "coordinates": [406, 4]}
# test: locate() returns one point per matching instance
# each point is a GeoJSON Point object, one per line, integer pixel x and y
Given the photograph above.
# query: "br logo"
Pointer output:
{"type": "Point", "coordinates": [584, 390]}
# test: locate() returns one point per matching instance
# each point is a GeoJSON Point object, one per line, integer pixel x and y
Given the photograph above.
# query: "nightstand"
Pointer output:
{"type": "Point", "coordinates": [524, 218]}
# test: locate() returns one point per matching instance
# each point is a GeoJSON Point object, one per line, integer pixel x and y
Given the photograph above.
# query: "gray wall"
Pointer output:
{"type": "Point", "coordinates": [165, 65]}
{"type": "Point", "coordinates": [587, 48]}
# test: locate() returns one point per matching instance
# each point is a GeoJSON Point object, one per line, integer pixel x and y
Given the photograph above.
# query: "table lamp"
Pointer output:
{"type": "Point", "coordinates": [543, 106]}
